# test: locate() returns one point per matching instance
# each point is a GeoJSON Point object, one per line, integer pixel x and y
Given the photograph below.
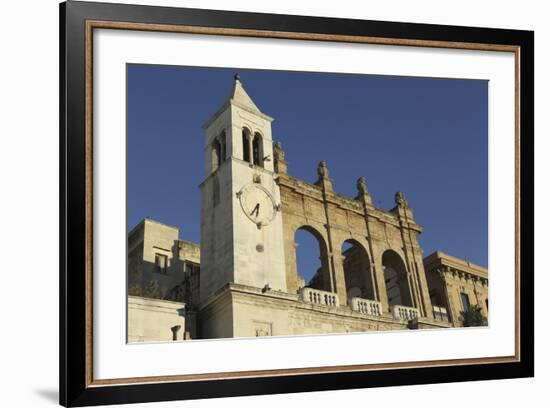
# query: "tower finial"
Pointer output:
{"type": "Point", "coordinates": [237, 77]}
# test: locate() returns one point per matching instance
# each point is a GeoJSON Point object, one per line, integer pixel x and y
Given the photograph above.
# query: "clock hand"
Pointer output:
{"type": "Point", "coordinates": [256, 209]}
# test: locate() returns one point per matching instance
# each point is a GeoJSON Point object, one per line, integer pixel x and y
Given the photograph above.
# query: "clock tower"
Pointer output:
{"type": "Point", "coordinates": [241, 226]}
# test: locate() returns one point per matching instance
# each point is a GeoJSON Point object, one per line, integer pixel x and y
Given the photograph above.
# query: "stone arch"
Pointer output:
{"type": "Point", "coordinates": [321, 277]}
{"type": "Point", "coordinates": [246, 135]}
{"type": "Point", "coordinates": [396, 279]}
{"type": "Point", "coordinates": [257, 150]}
{"type": "Point", "coordinates": [357, 270]}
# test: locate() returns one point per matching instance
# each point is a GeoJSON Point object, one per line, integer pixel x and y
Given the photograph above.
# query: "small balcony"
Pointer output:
{"type": "Point", "coordinates": [319, 297]}
{"type": "Point", "coordinates": [405, 313]}
{"type": "Point", "coordinates": [366, 306]}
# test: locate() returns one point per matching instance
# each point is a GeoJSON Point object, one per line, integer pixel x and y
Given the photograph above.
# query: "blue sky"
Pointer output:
{"type": "Point", "coordinates": [426, 137]}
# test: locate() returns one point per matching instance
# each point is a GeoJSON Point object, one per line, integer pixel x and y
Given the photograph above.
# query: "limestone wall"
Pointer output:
{"type": "Point", "coordinates": [216, 230]}
{"type": "Point", "coordinates": [216, 319]}
{"type": "Point", "coordinates": [152, 319]}
{"type": "Point", "coordinates": [241, 311]}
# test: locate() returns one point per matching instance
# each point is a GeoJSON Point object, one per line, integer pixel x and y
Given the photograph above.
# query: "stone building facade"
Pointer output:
{"type": "Point", "coordinates": [248, 283]}
{"type": "Point", "coordinates": [457, 285]}
{"type": "Point", "coordinates": [163, 283]}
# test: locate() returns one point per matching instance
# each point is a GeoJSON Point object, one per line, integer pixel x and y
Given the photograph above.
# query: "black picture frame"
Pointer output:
{"type": "Point", "coordinates": [76, 389]}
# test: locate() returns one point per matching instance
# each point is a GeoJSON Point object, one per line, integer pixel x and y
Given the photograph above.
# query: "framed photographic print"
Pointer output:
{"type": "Point", "coordinates": [256, 203]}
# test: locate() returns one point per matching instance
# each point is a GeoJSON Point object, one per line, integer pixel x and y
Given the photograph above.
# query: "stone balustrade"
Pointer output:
{"type": "Point", "coordinates": [319, 297]}
{"type": "Point", "coordinates": [404, 312]}
{"type": "Point", "coordinates": [366, 306]}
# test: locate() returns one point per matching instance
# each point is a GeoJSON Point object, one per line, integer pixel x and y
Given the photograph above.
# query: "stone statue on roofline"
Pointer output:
{"type": "Point", "coordinates": [362, 186]}
{"type": "Point", "coordinates": [400, 199]}
{"type": "Point", "coordinates": [322, 169]}
{"type": "Point", "coordinates": [324, 181]}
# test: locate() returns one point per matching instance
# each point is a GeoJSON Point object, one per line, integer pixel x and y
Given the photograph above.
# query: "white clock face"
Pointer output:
{"type": "Point", "coordinates": [258, 204]}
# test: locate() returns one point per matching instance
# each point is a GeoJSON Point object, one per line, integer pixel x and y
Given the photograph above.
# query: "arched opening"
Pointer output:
{"type": "Point", "coordinates": [216, 154]}
{"type": "Point", "coordinates": [246, 145]}
{"type": "Point", "coordinates": [311, 259]}
{"type": "Point", "coordinates": [395, 277]}
{"type": "Point", "coordinates": [357, 270]}
{"type": "Point", "coordinates": [257, 150]}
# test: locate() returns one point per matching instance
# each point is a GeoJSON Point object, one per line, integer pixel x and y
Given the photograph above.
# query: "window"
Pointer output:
{"type": "Point", "coordinates": [246, 145]}
{"type": "Point", "coordinates": [257, 150]}
{"type": "Point", "coordinates": [465, 301]}
{"type": "Point", "coordinates": [191, 268]}
{"type": "Point", "coordinates": [161, 263]}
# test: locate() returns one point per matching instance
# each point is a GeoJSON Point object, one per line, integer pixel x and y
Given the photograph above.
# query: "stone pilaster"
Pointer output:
{"type": "Point", "coordinates": [413, 257]}
{"type": "Point", "coordinates": [381, 283]}
{"type": "Point", "coordinates": [336, 268]}
{"type": "Point", "coordinates": [338, 278]}
{"type": "Point", "coordinates": [366, 200]}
